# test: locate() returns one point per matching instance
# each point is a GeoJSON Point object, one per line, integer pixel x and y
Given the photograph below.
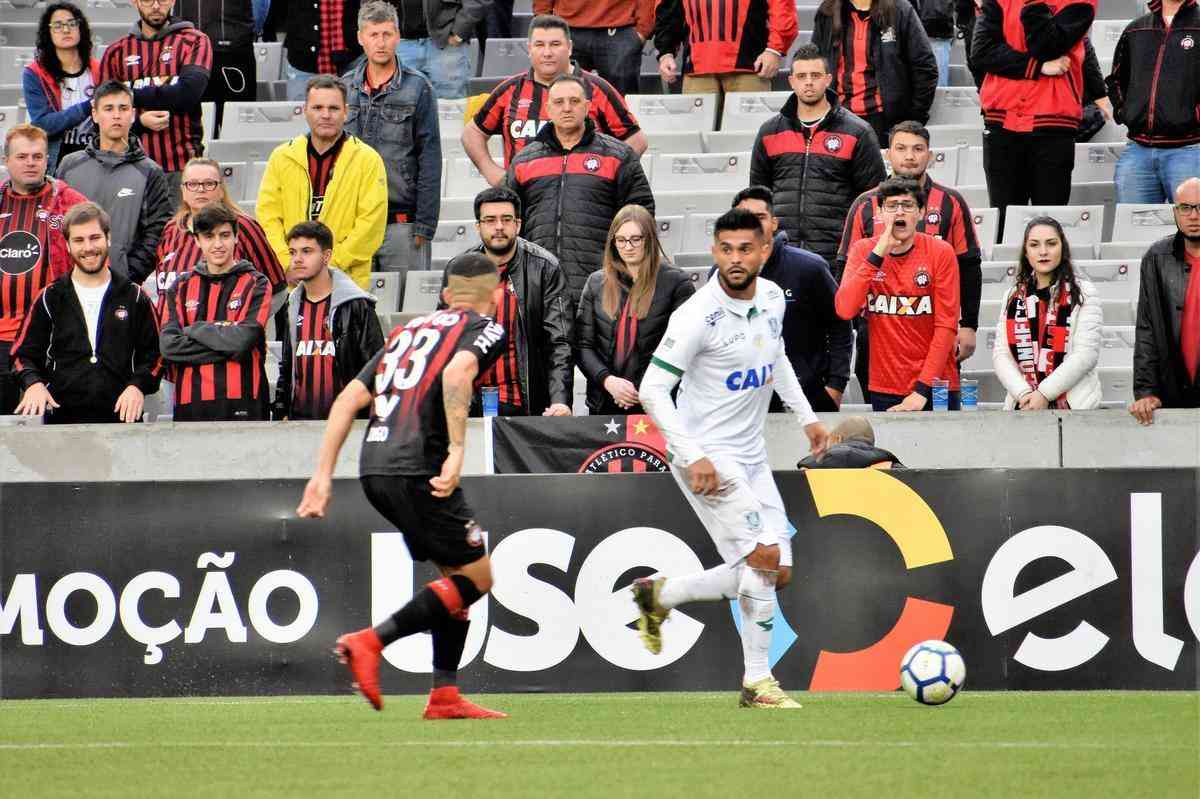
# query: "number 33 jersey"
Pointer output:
{"type": "Point", "coordinates": [407, 432]}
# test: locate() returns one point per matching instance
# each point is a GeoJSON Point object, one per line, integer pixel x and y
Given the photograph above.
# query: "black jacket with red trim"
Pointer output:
{"type": "Point", "coordinates": [724, 36]}
{"type": "Point", "coordinates": [816, 179]}
{"type": "Point", "coordinates": [54, 348]}
{"type": "Point", "coordinates": [903, 59]}
{"type": "Point", "coordinates": [1155, 80]}
{"type": "Point", "coordinates": [569, 197]}
{"type": "Point", "coordinates": [1013, 39]}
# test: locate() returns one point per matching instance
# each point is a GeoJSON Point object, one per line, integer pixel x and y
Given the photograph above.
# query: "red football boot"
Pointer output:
{"type": "Point", "coordinates": [447, 703]}
{"type": "Point", "coordinates": [360, 651]}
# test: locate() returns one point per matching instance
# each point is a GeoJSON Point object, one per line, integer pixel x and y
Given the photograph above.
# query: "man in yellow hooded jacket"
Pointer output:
{"type": "Point", "coordinates": [329, 176]}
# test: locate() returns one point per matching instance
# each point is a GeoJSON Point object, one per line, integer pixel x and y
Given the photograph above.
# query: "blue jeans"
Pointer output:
{"type": "Point", "coordinates": [447, 68]}
{"type": "Point", "coordinates": [260, 9]}
{"type": "Point", "coordinates": [1151, 174]}
{"type": "Point", "coordinates": [296, 81]}
{"type": "Point", "coordinates": [941, 52]}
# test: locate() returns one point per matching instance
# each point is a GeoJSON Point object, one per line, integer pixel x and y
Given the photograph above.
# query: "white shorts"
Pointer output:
{"type": "Point", "coordinates": [746, 511]}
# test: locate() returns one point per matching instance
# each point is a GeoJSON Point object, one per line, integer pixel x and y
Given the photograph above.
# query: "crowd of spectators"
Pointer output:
{"type": "Point", "coordinates": [109, 190]}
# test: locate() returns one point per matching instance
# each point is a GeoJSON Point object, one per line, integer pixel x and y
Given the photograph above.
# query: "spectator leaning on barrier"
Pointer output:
{"type": "Point", "coordinates": [327, 176]}
{"type": "Point", "coordinates": [166, 62]}
{"type": "Point", "coordinates": [732, 46]}
{"type": "Point", "coordinates": [624, 311]}
{"type": "Point", "coordinates": [572, 180]}
{"type": "Point", "coordinates": [88, 350]}
{"type": "Point", "coordinates": [815, 156]}
{"type": "Point", "coordinates": [59, 82]}
{"type": "Point", "coordinates": [213, 333]}
{"type": "Point", "coordinates": [607, 35]}
{"type": "Point", "coordinates": [517, 110]}
{"type": "Point", "coordinates": [332, 329]}
{"type": "Point", "coordinates": [534, 376]}
{"type": "Point", "coordinates": [884, 69]}
{"type": "Point", "coordinates": [1031, 55]}
{"type": "Point", "coordinates": [393, 109]}
{"type": "Point", "coordinates": [907, 283]}
{"type": "Point", "coordinates": [179, 252]}
{"type": "Point", "coordinates": [321, 39]}
{"type": "Point", "coordinates": [1166, 355]}
{"type": "Point", "coordinates": [852, 446]}
{"type": "Point", "coordinates": [817, 340]}
{"type": "Point", "coordinates": [229, 26]}
{"type": "Point", "coordinates": [1155, 92]}
{"type": "Point", "coordinates": [946, 217]}
{"type": "Point", "coordinates": [435, 37]}
{"type": "Point", "coordinates": [114, 172]}
{"type": "Point", "coordinates": [34, 253]}
{"type": "Point", "coordinates": [1051, 322]}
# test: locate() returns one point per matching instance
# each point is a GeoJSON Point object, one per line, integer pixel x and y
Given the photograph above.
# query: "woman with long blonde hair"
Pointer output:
{"type": "Point", "coordinates": [623, 312]}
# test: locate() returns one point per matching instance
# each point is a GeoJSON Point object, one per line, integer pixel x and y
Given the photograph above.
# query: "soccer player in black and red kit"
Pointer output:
{"type": "Point", "coordinates": [419, 389]}
{"type": "Point", "coordinates": [166, 62]}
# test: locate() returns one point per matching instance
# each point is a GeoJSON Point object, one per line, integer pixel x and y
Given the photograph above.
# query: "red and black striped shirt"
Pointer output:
{"type": "Point", "coordinates": [505, 373]}
{"type": "Point", "coordinates": [857, 83]}
{"type": "Point", "coordinates": [315, 384]}
{"type": "Point", "coordinates": [320, 172]}
{"type": "Point", "coordinates": [517, 110]}
{"type": "Point", "coordinates": [179, 252]}
{"type": "Point", "coordinates": [235, 389]}
{"type": "Point", "coordinates": [332, 37]}
{"type": "Point", "coordinates": [407, 433]}
{"type": "Point", "coordinates": [32, 248]}
{"type": "Point", "coordinates": [138, 62]}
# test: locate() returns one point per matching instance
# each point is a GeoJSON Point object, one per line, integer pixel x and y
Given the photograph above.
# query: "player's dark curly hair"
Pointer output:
{"type": "Point", "coordinates": [47, 56]}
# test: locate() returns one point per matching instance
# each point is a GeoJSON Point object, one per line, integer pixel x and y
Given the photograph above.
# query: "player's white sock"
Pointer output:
{"type": "Point", "coordinates": [756, 601]}
{"type": "Point", "coordinates": [715, 584]}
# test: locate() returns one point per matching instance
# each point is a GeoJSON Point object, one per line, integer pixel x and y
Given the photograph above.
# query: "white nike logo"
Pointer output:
{"type": "Point", "coordinates": [124, 193]}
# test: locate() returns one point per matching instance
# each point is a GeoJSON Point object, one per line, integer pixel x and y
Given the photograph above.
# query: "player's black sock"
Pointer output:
{"type": "Point", "coordinates": [427, 608]}
{"type": "Point", "coordinates": [449, 638]}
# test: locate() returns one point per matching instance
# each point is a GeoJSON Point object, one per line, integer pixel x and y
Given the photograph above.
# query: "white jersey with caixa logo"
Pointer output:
{"type": "Point", "coordinates": [730, 357]}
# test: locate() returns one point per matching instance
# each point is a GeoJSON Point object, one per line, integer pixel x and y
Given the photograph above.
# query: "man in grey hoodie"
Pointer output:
{"type": "Point", "coordinates": [115, 173]}
{"type": "Point", "coordinates": [332, 328]}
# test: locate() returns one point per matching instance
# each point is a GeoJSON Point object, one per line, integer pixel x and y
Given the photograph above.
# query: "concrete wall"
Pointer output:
{"type": "Point", "coordinates": [986, 439]}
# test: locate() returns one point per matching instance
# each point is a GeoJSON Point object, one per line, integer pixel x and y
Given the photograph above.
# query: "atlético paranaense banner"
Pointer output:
{"type": "Point", "coordinates": [1066, 579]}
{"type": "Point", "coordinates": [584, 444]}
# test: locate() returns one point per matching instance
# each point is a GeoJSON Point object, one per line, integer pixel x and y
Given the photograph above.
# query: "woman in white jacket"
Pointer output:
{"type": "Point", "coordinates": [1048, 335]}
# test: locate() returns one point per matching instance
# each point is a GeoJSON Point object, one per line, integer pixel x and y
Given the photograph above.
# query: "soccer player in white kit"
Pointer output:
{"type": "Point", "coordinates": [725, 345]}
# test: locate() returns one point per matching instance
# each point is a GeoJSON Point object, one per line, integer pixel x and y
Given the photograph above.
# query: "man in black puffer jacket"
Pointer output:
{"type": "Point", "coordinates": [816, 157]}
{"type": "Point", "coordinates": [572, 180]}
{"type": "Point", "coordinates": [852, 446]}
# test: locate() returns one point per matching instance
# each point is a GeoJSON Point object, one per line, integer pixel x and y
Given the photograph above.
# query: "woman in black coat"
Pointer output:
{"type": "Point", "coordinates": [623, 312]}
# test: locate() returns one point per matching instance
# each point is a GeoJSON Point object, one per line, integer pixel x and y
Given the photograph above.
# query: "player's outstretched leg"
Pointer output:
{"type": "Point", "coordinates": [756, 604]}
{"type": "Point", "coordinates": [651, 613]}
{"type": "Point", "coordinates": [655, 596]}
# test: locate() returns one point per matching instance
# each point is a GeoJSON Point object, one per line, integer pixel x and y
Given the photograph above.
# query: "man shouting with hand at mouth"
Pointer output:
{"type": "Point", "coordinates": [907, 283]}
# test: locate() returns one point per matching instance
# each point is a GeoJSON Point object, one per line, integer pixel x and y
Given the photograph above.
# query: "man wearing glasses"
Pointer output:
{"type": "Point", "coordinates": [1166, 354]}
{"type": "Point", "coordinates": [166, 62]}
{"type": "Point", "coordinates": [534, 375]}
{"type": "Point", "coordinates": [907, 283]}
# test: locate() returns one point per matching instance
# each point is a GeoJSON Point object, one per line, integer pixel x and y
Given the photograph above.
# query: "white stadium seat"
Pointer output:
{"type": "Point", "coordinates": [746, 111]}
{"type": "Point", "coordinates": [273, 120]}
{"type": "Point", "coordinates": [672, 112]}
{"type": "Point", "coordinates": [957, 135]}
{"type": "Point", "coordinates": [505, 57]}
{"type": "Point", "coordinates": [386, 288]}
{"type": "Point", "coordinates": [943, 166]}
{"type": "Point", "coordinates": [698, 232]}
{"type": "Point", "coordinates": [13, 61]}
{"type": "Point", "coordinates": [453, 237]}
{"type": "Point", "coordinates": [457, 208]}
{"type": "Point", "coordinates": [1109, 271]}
{"type": "Point", "coordinates": [268, 57]}
{"type": "Point", "coordinates": [421, 290]}
{"type": "Point", "coordinates": [463, 179]}
{"type": "Point", "coordinates": [970, 167]}
{"type": "Point", "coordinates": [1116, 383]}
{"type": "Point", "coordinates": [728, 141]}
{"type": "Point", "coordinates": [1116, 346]}
{"type": "Point", "coordinates": [1083, 224]}
{"type": "Point", "coordinates": [672, 203]}
{"type": "Point", "coordinates": [679, 141]}
{"type": "Point", "coordinates": [1105, 35]}
{"type": "Point", "coordinates": [248, 150]}
{"type": "Point", "coordinates": [955, 105]}
{"type": "Point", "coordinates": [1148, 223]}
{"type": "Point", "coordinates": [9, 117]}
{"type": "Point", "coordinates": [1095, 163]}
{"type": "Point", "coordinates": [237, 177]}
{"type": "Point", "coordinates": [986, 221]}
{"type": "Point", "coordinates": [694, 260]}
{"type": "Point", "coordinates": [670, 233]}
{"type": "Point", "coordinates": [702, 171]}
{"type": "Point", "coordinates": [451, 117]}
{"type": "Point", "coordinates": [698, 274]}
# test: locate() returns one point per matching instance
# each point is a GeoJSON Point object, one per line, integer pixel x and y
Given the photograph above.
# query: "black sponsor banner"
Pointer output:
{"type": "Point", "coordinates": [586, 444]}
{"type": "Point", "coordinates": [1072, 579]}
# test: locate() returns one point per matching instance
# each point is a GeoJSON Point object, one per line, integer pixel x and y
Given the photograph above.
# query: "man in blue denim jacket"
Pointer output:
{"type": "Point", "coordinates": [394, 110]}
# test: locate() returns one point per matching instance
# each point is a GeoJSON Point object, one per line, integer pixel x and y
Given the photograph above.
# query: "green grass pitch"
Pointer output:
{"type": "Point", "coordinates": [1094, 745]}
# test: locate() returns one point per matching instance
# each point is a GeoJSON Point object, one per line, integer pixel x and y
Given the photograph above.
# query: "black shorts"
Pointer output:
{"type": "Point", "coordinates": [440, 530]}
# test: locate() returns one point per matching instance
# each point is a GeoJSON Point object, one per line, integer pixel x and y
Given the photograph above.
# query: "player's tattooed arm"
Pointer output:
{"type": "Point", "coordinates": [458, 385]}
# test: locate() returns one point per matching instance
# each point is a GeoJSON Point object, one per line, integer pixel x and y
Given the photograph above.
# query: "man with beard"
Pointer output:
{"type": "Point", "coordinates": [534, 374]}
{"type": "Point", "coordinates": [166, 62]}
{"type": "Point", "coordinates": [816, 156]}
{"type": "Point", "coordinates": [907, 282]}
{"type": "Point", "coordinates": [32, 253]}
{"type": "Point", "coordinates": [1166, 363]}
{"type": "Point", "coordinates": [213, 333]}
{"type": "Point", "coordinates": [88, 351]}
{"type": "Point", "coordinates": [114, 172]}
{"type": "Point", "coordinates": [726, 345]}
{"type": "Point", "coordinates": [947, 217]}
